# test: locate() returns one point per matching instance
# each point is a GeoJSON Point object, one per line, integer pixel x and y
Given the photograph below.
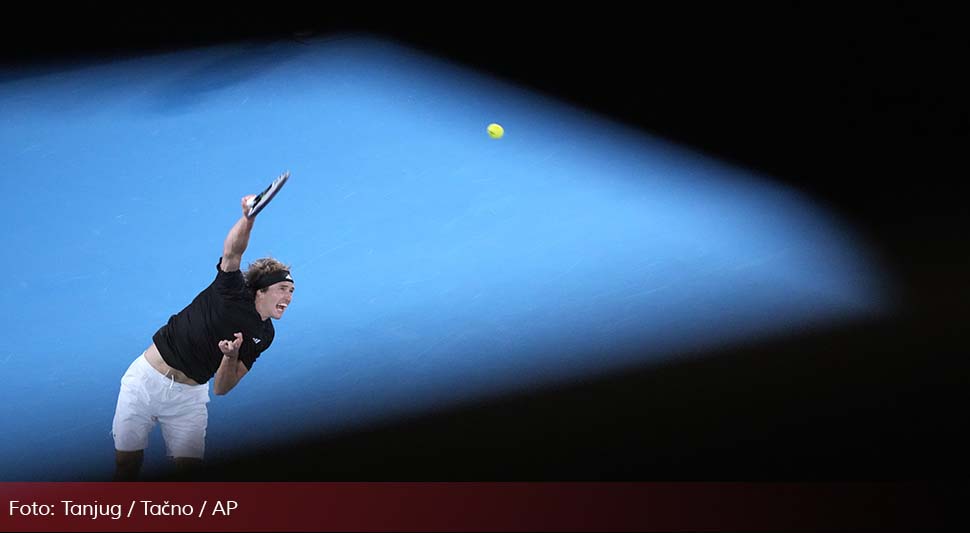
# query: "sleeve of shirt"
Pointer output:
{"type": "Point", "coordinates": [248, 353]}
{"type": "Point", "coordinates": [228, 284]}
{"type": "Point", "coordinates": [250, 350]}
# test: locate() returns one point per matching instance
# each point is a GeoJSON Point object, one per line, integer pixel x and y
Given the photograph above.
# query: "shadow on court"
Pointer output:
{"type": "Point", "coordinates": [876, 401]}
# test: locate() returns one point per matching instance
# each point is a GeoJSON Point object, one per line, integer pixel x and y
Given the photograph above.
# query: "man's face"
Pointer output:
{"type": "Point", "coordinates": [272, 301]}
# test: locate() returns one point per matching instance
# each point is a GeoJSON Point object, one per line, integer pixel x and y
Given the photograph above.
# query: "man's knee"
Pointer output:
{"type": "Point", "coordinates": [187, 463]}
{"type": "Point", "coordinates": [187, 467]}
{"type": "Point", "coordinates": [128, 464]}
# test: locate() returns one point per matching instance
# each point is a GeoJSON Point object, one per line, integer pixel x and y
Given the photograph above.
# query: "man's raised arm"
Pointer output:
{"type": "Point", "coordinates": [237, 240]}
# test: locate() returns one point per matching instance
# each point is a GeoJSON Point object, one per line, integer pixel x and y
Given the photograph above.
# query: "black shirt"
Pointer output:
{"type": "Point", "coordinates": [190, 340]}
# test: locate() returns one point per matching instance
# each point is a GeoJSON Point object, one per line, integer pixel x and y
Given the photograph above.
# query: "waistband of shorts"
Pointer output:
{"type": "Point", "coordinates": [162, 378]}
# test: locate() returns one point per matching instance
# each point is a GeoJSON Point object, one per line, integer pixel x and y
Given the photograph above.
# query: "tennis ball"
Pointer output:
{"type": "Point", "coordinates": [495, 131]}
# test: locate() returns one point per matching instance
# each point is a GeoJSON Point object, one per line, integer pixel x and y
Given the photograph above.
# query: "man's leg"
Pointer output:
{"type": "Point", "coordinates": [133, 421]}
{"type": "Point", "coordinates": [187, 467]}
{"type": "Point", "coordinates": [128, 465]}
{"type": "Point", "coordinates": [184, 425]}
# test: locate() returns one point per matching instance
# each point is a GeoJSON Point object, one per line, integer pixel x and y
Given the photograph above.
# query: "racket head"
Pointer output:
{"type": "Point", "coordinates": [261, 200]}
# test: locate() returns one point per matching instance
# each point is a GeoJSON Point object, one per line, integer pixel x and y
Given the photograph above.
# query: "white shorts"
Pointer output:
{"type": "Point", "coordinates": [147, 397]}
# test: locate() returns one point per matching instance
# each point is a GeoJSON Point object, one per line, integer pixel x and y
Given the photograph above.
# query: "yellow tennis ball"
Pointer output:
{"type": "Point", "coordinates": [495, 131]}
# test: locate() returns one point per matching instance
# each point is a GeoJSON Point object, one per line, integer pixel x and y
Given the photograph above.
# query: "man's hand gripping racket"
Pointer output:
{"type": "Point", "coordinates": [255, 204]}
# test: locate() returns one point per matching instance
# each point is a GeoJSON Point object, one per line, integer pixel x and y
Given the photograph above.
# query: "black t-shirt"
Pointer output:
{"type": "Point", "coordinates": [190, 340]}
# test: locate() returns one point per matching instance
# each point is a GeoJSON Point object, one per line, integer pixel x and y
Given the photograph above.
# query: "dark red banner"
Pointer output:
{"type": "Point", "coordinates": [466, 506]}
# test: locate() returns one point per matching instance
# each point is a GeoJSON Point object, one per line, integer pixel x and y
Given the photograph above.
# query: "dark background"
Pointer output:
{"type": "Point", "coordinates": [864, 109]}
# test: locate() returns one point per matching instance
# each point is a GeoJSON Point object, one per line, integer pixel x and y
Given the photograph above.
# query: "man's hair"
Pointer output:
{"type": "Point", "coordinates": [260, 268]}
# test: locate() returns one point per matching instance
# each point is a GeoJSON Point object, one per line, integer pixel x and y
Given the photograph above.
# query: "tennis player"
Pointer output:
{"type": "Point", "coordinates": [216, 338]}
